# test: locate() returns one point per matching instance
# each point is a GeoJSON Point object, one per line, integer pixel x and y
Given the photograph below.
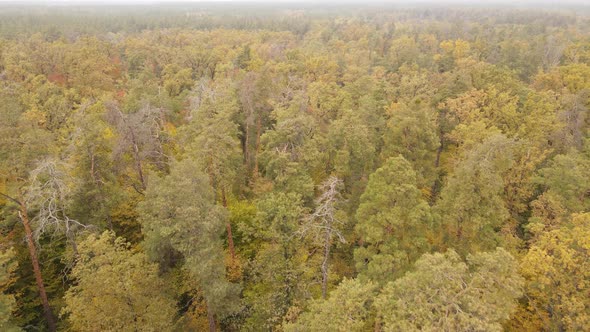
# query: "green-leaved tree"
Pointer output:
{"type": "Point", "coordinates": [445, 293]}
{"type": "Point", "coordinates": [393, 221]}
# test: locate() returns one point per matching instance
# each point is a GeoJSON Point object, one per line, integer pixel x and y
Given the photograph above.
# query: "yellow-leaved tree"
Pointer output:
{"type": "Point", "coordinates": [557, 271]}
{"type": "Point", "coordinates": [117, 289]}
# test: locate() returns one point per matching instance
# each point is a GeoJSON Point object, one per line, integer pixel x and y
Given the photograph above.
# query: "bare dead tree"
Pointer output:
{"type": "Point", "coordinates": [46, 195]}
{"type": "Point", "coordinates": [49, 193]}
{"type": "Point", "coordinates": [574, 115]}
{"type": "Point", "coordinates": [324, 224]}
{"type": "Point", "coordinates": [553, 52]}
{"type": "Point", "coordinates": [141, 136]}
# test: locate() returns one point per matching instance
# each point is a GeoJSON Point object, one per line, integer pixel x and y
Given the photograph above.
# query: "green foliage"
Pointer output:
{"type": "Point", "coordinates": [288, 146]}
{"type": "Point", "coordinates": [412, 133]}
{"type": "Point", "coordinates": [351, 146]}
{"type": "Point", "coordinates": [347, 309]}
{"type": "Point", "coordinates": [444, 293]}
{"type": "Point", "coordinates": [117, 289]}
{"type": "Point", "coordinates": [472, 205]}
{"type": "Point", "coordinates": [393, 221]}
{"type": "Point", "coordinates": [567, 178]}
{"type": "Point", "coordinates": [179, 213]}
{"type": "Point", "coordinates": [278, 277]}
{"type": "Point", "coordinates": [452, 129]}
{"type": "Point", "coordinates": [212, 137]}
{"type": "Point", "coordinates": [7, 303]}
{"type": "Point", "coordinates": [22, 140]}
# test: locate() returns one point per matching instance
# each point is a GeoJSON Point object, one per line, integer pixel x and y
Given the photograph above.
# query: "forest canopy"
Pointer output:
{"type": "Point", "coordinates": [294, 167]}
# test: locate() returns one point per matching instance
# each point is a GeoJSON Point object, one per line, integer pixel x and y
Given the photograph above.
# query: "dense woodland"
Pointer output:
{"type": "Point", "coordinates": [274, 168]}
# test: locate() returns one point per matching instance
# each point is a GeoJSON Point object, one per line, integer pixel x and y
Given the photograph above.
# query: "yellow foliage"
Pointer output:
{"type": "Point", "coordinates": [557, 269]}
{"type": "Point", "coordinates": [457, 48]}
{"type": "Point", "coordinates": [234, 268]}
{"type": "Point", "coordinates": [107, 133]}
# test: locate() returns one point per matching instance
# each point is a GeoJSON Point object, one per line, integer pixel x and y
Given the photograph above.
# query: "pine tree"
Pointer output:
{"type": "Point", "coordinates": [348, 308]}
{"type": "Point", "coordinates": [278, 275]}
{"type": "Point", "coordinates": [393, 221]}
{"type": "Point", "coordinates": [444, 293]}
{"type": "Point", "coordinates": [212, 139]}
{"type": "Point", "coordinates": [472, 205]}
{"type": "Point", "coordinates": [179, 212]}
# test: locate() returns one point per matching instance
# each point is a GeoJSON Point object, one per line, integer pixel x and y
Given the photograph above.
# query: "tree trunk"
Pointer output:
{"type": "Point", "coordinates": [441, 133]}
{"type": "Point", "coordinates": [36, 269]}
{"type": "Point", "coordinates": [72, 241]}
{"type": "Point", "coordinates": [377, 327]}
{"type": "Point", "coordinates": [258, 133]}
{"type": "Point", "coordinates": [247, 145]}
{"type": "Point", "coordinates": [137, 158]}
{"type": "Point", "coordinates": [325, 265]}
{"type": "Point", "coordinates": [211, 319]}
{"type": "Point", "coordinates": [439, 151]}
{"type": "Point", "coordinates": [230, 238]}
{"type": "Point", "coordinates": [139, 167]}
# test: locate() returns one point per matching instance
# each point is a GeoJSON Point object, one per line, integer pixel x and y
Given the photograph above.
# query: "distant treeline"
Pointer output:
{"type": "Point", "coordinates": [71, 21]}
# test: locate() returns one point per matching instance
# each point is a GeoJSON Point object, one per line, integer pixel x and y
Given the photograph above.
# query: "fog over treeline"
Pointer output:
{"type": "Point", "coordinates": [119, 16]}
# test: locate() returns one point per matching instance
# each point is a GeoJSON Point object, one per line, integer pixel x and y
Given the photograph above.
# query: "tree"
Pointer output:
{"type": "Point", "coordinates": [444, 293]}
{"type": "Point", "coordinates": [279, 278]}
{"type": "Point", "coordinates": [177, 80]}
{"type": "Point", "coordinates": [570, 86]}
{"type": "Point", "coordinates": [22, 141]}
{"type": "Point", "coordinates": [348, 308]}
{"type": "Point", "coordinates": [179, 212]}
{"type": "Point", "coordinates": [480, 114]}
{"type": "Point", "coordinates": [557, 270]}
{"type": "Point", "coordinates": [254, 92]}
{"type": "Point", "coordinates": [140, 137]}
{"type": "Point", "coordinates": [540, 123]}
{"type": "Point", "coordinates": [288, 147]}
{"type": "Point", "coordinates": [413, 134]}
{"type": "Point", "coordinates": [393, 221]}
{"type": "Point", "coordinates": [403, 50]}
{"type": "Point", "coordinates": [567, 178]}
{"type": "Point", "coordinates": [352, 148]}
{"type": "Point", "coordinates": [116, 289]}
{"type": "Point", "coordinates": [472, 205]}
{"type": "Point", "coordinates": [50, 193]}
{"type": "Point", "coordinates": [7, 267]}
{"type": "Point", "coordinates": [324, 223]}
{"type": "Point", "coordinates": [92, 165]}
{"type": "Point", "coordinates": [213, 141]}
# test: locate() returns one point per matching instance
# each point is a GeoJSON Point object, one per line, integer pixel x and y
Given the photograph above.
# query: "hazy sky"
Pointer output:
{"type": "Point", "coordinates": [551, 3]}
{"type": "Point", "coordinates": [479, 2]}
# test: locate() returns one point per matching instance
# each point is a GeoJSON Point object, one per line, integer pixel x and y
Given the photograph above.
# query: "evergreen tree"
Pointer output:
{"type": "Point", "coordinates": [413, 134]}
{"type": "Point", "coordinates": [472, 205]}
{"type": "Point", "coordinates": [179, 213]}
{"type": "Point", "coordinates": [278, 278]}
{"type": "Point", "coordinates": [444, 293]}
{"type": "Point", "coordinates": [393, 222]}
{"type": "Point", "coordinates": [348, 308]}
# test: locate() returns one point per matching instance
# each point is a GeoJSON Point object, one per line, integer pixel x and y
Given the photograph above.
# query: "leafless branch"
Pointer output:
{"type": "Point", "coordinates": [49, 193]}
